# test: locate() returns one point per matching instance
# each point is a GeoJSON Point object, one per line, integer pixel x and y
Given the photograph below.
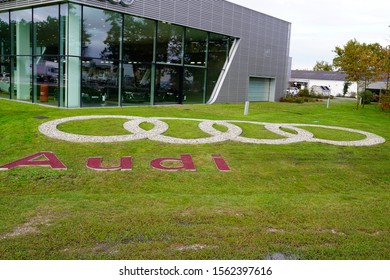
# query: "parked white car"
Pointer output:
{"type": "Point", "coordinates": [292, 91]}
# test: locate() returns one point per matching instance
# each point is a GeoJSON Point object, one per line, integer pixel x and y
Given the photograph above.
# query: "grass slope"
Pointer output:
{"type": "Point", "coordinates": [305, 200]}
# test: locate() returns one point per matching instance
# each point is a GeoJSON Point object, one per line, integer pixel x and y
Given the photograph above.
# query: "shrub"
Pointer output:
{"type": "Point", "coordinates": [300, 100]}
{"type": "Point", "coordinates": [384, 102]}
{"type": "Point", "coordinates": [304, 92]}
{"type": "Point", "coordinates": [288, 98]}
{"type": "Point", "coordinates": [366, 97]}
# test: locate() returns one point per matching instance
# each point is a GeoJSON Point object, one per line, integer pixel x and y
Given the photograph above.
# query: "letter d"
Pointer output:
{"type": "Point", "coordinates": [185, 162]}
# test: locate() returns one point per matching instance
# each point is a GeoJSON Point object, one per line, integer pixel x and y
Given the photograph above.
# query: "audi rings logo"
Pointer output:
{"type": "Point", "coordinates": [232, 133]}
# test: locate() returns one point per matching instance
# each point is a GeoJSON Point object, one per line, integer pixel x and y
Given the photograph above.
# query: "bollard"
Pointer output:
{"type": "Point", "coordinates": [246, 110]}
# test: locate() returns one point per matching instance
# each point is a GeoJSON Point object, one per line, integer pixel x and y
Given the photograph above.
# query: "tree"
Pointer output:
{"type": "Point", "coordinates": [346, 87]}
{"type": "Point", "coordinates": [386, 66]}
{"type": "Point", "coordinates": [384, 98]}
{"type": "Point", "coordinates": [323, 66]}
{"type": "Point", "coordinates": [363, 63]}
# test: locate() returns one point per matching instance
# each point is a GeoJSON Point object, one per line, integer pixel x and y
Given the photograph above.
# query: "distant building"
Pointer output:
{"type": "Point", "coordinates": [321, 82]}
{"type": "Point", "coordinates": [328, 83]}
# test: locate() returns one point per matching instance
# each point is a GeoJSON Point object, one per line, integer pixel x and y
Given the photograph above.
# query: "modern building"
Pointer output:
{"type": "Point", "coordinates": [83, 53]}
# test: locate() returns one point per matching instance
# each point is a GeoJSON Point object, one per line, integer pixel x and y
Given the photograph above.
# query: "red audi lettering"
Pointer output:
{"type": "Point", "coordinates": [50, 160]}
{"type": "Point", "coordinates": [95, 163]}
{"type": "Point", "coordinates": [185, 163]}
{"type": "Point", "coordinates": [221, 163]}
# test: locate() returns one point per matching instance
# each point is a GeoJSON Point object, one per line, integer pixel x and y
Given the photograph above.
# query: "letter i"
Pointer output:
{"type": "Point", "coordinates": [220, 163]}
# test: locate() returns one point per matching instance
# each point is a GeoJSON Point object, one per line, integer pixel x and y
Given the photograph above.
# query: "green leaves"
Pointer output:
{"type": "Point", "coordinates": [363, 63]}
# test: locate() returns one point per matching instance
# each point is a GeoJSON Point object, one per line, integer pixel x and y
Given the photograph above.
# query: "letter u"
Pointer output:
{"type": "Point", "coordinates": [95, 163]}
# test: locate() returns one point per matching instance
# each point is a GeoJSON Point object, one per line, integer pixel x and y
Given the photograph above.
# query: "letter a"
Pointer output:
{"type": "Point", "coordinates": [96, 164]}
{"type": "Point", "coordinates": [33, 160]}
{"type": "Point", "coordinates": [183, 163]}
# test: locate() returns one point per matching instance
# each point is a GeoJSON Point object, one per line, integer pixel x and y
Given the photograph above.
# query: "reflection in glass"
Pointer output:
{"type": "Point", "coordinates": [22, 48]}
{"type": "Point", "coordinates": [21, 78]}
{"type": "Point", "coordinates": [71, 19]}
{"type": "Point", "coordinates": [101, 34]}
{"type": "Point", "coordinates": [70, 55]}
{"type": "Point", "coordinates": [136, 83]}
{"type": "Point", "coordinates": [138, 39]}
{"type": "Point", "coordinates": [101, 52]}
{"type": "Point", "coordinates": [193, 86]}
{"type": "Point", "coordinates": [100, 82]}
{"type": "Point", "coordinates": [46, 64]}
{"type": "Point", "coordinates": [195, 47]}
{"type": "Point", "coordinates": [169, 43]}
{"type": "Point", "coordinates": [218, 53]}
{"type": "Point", "coordinates": [4, 34]}
{"type": "Point", "coordinates": [168, 84]}
{"type": "Point", "coordinates": [4, 56]}
{"type": "Point", "coordinates": [46, 26]}
{"type": "Point", "coordinates": [21, 25]}
{"type": "Point", "coordinates": [46, 69]}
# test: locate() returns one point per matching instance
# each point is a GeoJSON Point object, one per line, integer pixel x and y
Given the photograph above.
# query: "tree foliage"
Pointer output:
{"type": "Point", "coordinates": [363, 63]}
{"type": "Point", "coordinates": [386, 66]}
{"type": "Point", "coordinates": [323, 66]}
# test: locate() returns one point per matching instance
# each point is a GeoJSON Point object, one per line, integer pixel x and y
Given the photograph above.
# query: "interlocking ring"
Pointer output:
{"type": "Point", "coordinates": [217, 137]}
{"type": "Point", "coordinates": [302, 135]}
{"type": "Point", "coordinates": [233, 132]}
{"type": "Point", "coordinates": [50, 129]}
{"type": "Point", "coordinates": [370, 140]}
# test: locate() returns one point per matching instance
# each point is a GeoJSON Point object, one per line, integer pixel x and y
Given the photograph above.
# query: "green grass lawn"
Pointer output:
{"type": "Point", "coordinates": [304, 200]}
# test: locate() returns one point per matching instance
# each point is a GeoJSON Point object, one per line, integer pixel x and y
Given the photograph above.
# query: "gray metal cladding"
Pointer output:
{"type": "Point", "coordinates": [264, 40]}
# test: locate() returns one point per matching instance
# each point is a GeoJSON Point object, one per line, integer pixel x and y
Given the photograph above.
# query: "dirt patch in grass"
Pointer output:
{"type": "Point", "coordinates": [30, 227]}
{"type": "Point", "coordinates": [195, 247]}
{"type": "Point", "coordinates": [105, 248]}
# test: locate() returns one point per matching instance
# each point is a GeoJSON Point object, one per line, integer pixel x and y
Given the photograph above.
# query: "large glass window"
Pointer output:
{"type": "Point", "coordinates": [218, 53]}
{"type": "Point", "coordinates": [21, 46]}
{"type": "Point", "coordinates": [46, 50]}
{"type": "Point", "coordinates": [195, 47]}
{"type": "Point", "coordinates": [138, 38]}
{"type": "Point", "coordinates": [169, 84]}
{"type": "Point", "coordinates": [73, 55]}
{"type": "Point", "coordinates": [193, 85]}
{"type": "Point", "coordinates": [138, 41]}
{"type": "Point", "coordinates": [102, 33]}
{"type": "Point", "coordinates": [71, 26]}
{"type": "Point", "coordinates": [100, 82]}
{"type": "Point", "coordinates": [4, 55]}
{"type": "Point", "coordinates": [136, 83]}
{"type": "Point", "coordinates": [4, 34]}
{"type": "Point", "coordinates": [169, 43]}
{"type": "Point", "coordinates": [46, 26]}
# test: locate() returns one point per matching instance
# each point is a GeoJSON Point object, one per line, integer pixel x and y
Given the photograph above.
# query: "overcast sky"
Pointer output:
{"type": "Point", "coordinates": [318, 26]}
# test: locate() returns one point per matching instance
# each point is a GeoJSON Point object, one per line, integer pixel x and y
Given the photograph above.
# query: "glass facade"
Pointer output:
{"type": "Point", "coordinates": [5, 50]}
{"type": "Point", "coordinates": [70, 55]}
{"type": "Point", "coordinates": [46, 55]}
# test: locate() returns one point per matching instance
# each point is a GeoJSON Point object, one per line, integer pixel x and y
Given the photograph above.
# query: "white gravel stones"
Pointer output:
{"type": "Point", "coordinates": [233, 132]}
{"type": "Point", "coordinates": [50, 129]}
